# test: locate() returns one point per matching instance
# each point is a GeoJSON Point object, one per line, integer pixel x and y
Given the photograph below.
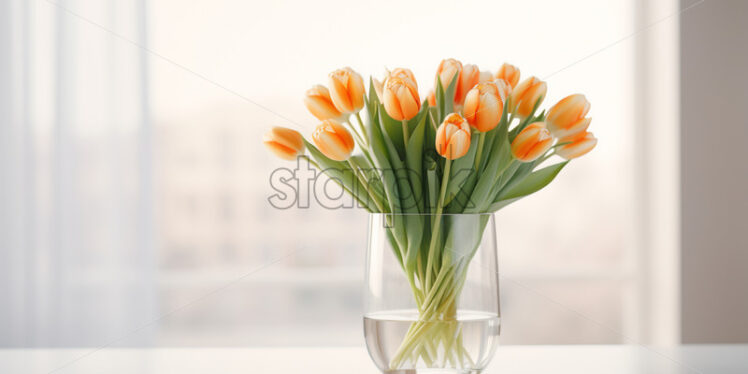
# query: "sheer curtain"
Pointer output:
{"type": "Point", "coordinates": [76, 207]}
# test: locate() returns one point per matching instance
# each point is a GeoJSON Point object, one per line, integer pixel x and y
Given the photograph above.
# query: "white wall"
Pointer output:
{"type": "Point", "coordinates": [714, 171]}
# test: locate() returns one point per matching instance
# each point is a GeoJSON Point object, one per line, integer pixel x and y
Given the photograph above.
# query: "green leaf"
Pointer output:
{"type": "Point", "coordinates": [382, 163]}
{"type": "Point", "coordinates": [445, 98]}
{"type": "Point", "coordinates": [413, 161]}
{"type": "Point", "coordinates": [430, 139]}
{"type": "Point", "coordinates": [412, 229]}
{"type": "Point", "coordinates": [373, 98]}
{"type": "Point", "coordinates": [392, 129]}
{"type": "Point", "coordinates": [449, 96]}
{"type": "Point", "coordinates": [498, 160]}
{"type": "Point", "coordinates": [439, 96]}
{"type": "Point", "coordinates": [460, 171]}
{"type": "Point", "coordinates": [432, 182]}
{"type": "Point", "coordinates": [372, 103]}
{"type": "Point", "coordinates": [531, 184]}
{"type": "Point", "coordinates": [407, 199]}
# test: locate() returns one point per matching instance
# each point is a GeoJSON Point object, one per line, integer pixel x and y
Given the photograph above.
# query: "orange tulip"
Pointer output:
{"type": "Point", "coordinates": [347, 90]}
{"type": "Point", "coordinates": [566, 118]}
{"type": "Point", "coordinates": [431, 98]}
{"type": "Point", "coordinates": [531, 142]}
{"type": "Point", "coordinates": [453, 137]}
{"type": "Point", "coordinates": [401, 99]}
{"type": "Point", "coordinates": [581, 143]}
{"type": "Point", "coordinates": [333, 140]}
{"type": "Point", "coordinates": [483, 106]}
{"type": "Point", "coordinates": [526, 95]}
{"type": "Point", "coordinates": [448, 69]}
{"type": "Point", "coordinates": [468, 79]}
{"type": "Point", "coordinates": [508, 73]}
{"type": "Point", "coordinates": [318, 102]}
{"type": "Point", "coordinates": [284, 143]}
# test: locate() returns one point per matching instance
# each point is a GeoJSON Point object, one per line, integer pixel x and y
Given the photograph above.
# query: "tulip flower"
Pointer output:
{"type": "Point", "coordinates": [284, 143]}
{"type": "Point", "coordinates": [333, 140]}
{"type": "Point", "coordinates": [401, 99]}
{"type": "Point", "coordinates": [448, 69]}
{"type": "Point", "coordinates": [526, 95]}
{"type": "Point", "coordinates": [508, 73]}
{"type": "Point", "coordinates": [566, 118]}
{"type": "Point", "coordinates": [453, 137]}
{"type": "Point", "coordinates": [579, 145]}
{"type": "Point", "coordinates": [483, 106]}
{"type": "Point", "coordinates": [468, 79]}
{"type": "Point", "coordinates": [318, 102]}
{"type": "Point", "coordinates": [531, 142]}
{"type": "Point", "coordinates": [346, 90]}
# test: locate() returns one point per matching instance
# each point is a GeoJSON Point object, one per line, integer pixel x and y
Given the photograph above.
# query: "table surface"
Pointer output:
{"type": "Point", "coordinates": [577, 359]}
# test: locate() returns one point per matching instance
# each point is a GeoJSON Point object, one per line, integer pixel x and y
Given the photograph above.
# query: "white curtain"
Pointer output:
{"type": "Point", "coordinates": [77, 249]}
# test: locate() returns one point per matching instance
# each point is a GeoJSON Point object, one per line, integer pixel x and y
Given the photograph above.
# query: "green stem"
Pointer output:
{"type": "Point", "coordinates": [437, 223]}
{"type": "Point", "coordinates": [361, 125]}
{"type": "Point", "coordinates": [481, 140]}
{"type": "Point", "coordinates": [314, 163]}
{"type": "Point", "coordinates": [405, 133]}
{"type": "Point", "coordinates": [358, 137]}
{"type": "Point", "coordinates": [361, 179]}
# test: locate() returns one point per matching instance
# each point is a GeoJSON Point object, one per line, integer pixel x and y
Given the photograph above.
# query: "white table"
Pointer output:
{"type": "Point", "coordinates": [707, 359]}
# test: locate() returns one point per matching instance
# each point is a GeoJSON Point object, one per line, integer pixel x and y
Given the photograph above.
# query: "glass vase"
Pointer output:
{"type": "Point", "coordinates": [432, 292]}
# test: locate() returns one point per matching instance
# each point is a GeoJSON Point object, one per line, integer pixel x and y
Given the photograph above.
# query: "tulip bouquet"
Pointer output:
{"type": "Point", "coordinates": [476, 144]}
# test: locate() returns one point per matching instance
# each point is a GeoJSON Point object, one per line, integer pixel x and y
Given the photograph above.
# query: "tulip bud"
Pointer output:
{"type": "Point", "coordinates": [333, 140]}
{"type": "Point", "coordinates": [566, 118]}
{"type": "Point", "coordinates": [401, 99]}
{"type": "Point", "coordinates": [453, 137]}
{"type": "Point", "coordinates": [347, 90]}
{"type": "Point", "coordinates": [284, 143]}
{"type": "Point", "coordinates": [468, 79]}
{"type": "Point", "coordinates": [531, 142]}
{"type": "Point", "coordinates": [448, 69]}
{"type": "Point", "coordinates": [508, 73]}
{"type": "Point", "coordinates": [318, 102]}
{"type": "Point", "coordinates": [579, 145]}
{"type": "Point", "coordinates": [526, 95]}
{"type": "Point", "coordinates": [431, 98]}
{"type": "Point", "coordinates": [483, 106]}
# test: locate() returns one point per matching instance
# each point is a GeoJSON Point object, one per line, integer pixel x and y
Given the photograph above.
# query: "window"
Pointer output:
{"type": "Point", "coordinates": [134, 185]}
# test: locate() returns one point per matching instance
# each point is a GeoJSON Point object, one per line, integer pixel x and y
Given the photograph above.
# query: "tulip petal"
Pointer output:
{"type": "Point", "coordinates": [281, 151]}
{"type": "Point", "coordinates": [471, 106]}
{"type": "Point", "coordinates": [409, 105]}
{"type": "Point", "coordinates": [458, 146]}
{"type": "Point", "coordinates": [488, 114]}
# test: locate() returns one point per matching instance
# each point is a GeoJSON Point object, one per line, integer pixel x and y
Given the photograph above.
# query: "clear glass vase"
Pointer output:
{"type": "Point", "coordinates": [432, 293]}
